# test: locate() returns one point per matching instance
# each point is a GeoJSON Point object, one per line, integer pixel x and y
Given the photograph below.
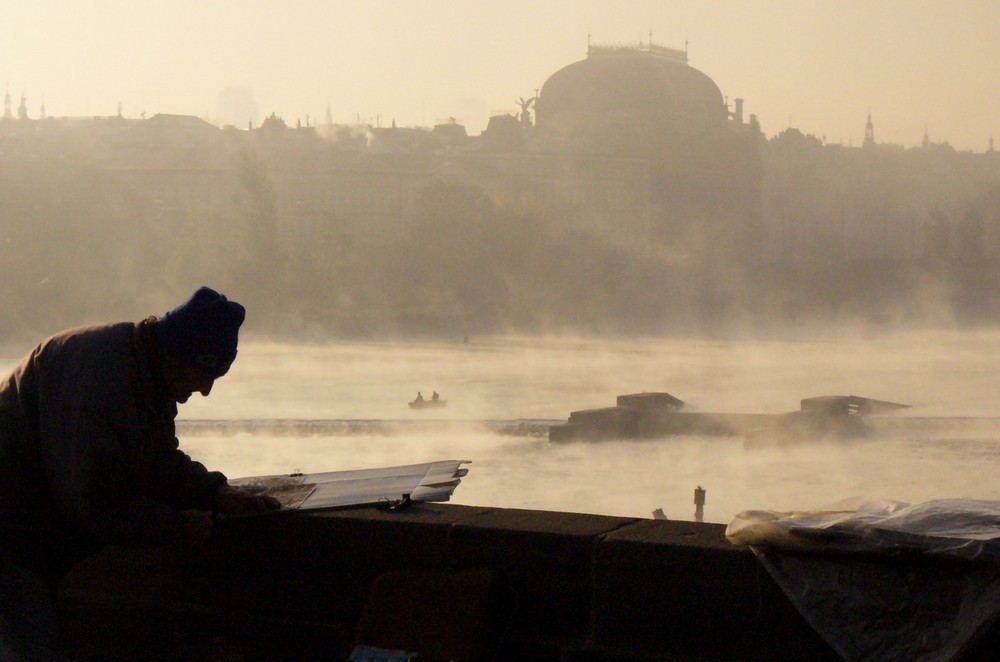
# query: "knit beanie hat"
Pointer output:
{"type": "Point", "coordinates": [204, 331]}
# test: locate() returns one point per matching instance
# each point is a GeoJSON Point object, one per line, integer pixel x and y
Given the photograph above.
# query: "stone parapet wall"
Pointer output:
{"type": "Point", "coordinates": [569, 587]}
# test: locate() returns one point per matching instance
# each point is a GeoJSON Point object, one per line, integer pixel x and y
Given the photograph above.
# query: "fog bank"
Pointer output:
{"type": "Point", "coordinates": [539, 380]}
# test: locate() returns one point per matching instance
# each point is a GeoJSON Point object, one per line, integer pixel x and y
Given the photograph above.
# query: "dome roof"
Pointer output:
{"type": "Point", "coordinates": [630, 100]}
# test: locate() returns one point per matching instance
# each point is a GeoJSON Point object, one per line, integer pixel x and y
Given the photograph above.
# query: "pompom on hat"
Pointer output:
{"type": "Point", "coordinates": [204, 331]}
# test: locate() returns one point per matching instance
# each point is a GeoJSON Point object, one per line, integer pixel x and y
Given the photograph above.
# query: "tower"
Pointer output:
{"type": "Point", "coordinates": [7, 114]}
{"type": "Point", "coordinates": [869, 131]}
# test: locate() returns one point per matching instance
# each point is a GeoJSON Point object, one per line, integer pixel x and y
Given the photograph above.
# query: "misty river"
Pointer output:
{"type": "Point", "coordinates": [343, 405]}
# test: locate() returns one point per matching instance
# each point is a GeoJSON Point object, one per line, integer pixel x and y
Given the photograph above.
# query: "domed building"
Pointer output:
{"type": "Point", "coordinates": [629, 101]}
{"type": "Point", "coordinates": [647, 102]}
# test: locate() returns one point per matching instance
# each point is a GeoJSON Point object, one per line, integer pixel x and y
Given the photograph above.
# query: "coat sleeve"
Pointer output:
{"type": "Point", "coordinates": [176, 479]}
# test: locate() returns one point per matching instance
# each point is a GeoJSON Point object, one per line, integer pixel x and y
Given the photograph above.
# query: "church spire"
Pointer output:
{"type": "Point", "coordinates": [869, 131]}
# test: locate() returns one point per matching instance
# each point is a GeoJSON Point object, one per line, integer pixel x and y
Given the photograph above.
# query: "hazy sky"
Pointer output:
{"type": "Point", "coordinates": [817, 65]}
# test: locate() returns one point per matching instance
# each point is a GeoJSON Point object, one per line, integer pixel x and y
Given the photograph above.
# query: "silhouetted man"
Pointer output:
{"type": "Point", "coordinates": [89, 456]}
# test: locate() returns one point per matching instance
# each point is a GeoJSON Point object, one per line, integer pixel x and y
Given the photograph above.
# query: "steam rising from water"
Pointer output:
{"type": "Point", "coordinates": [939, 374]}
{"type": "Point", "coordinates": [503, 393]}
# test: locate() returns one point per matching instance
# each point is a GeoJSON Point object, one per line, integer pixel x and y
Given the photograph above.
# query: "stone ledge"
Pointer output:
{"type": "Point", "coordinates": [581, 586]}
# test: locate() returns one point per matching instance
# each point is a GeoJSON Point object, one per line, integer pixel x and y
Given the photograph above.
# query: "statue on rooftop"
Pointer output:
{"type": "Point", "coordinates": [525, 115]}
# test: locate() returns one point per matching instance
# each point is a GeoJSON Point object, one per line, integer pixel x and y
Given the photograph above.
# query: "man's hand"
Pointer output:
{"type": "Point", "coordinates": [235, 501]}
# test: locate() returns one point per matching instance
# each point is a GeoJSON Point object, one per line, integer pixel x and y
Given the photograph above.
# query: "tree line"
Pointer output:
{"type": "Point", "coordinates": [80, 246]}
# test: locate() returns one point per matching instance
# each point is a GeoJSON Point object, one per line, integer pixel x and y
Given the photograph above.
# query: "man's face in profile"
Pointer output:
{"type": "Point", "coordinates": [183, 379]}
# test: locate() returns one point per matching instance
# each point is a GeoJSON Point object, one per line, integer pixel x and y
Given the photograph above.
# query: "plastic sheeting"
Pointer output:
{"type": "Point", "coordinates": [884, 579]}
{"type": "Point", "coordinates": [430, 481]}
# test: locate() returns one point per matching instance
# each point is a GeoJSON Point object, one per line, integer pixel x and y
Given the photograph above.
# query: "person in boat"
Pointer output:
{"type": "Point", "coordinates": [89, 456]}
{"type": "Point", "coordinates": [420, 397]}
{"type": "Point", "coordinates": [435, 397]}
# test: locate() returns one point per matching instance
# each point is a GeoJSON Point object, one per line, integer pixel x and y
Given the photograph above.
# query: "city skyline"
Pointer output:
{"type": "Point", "coordinates": [819, 66]}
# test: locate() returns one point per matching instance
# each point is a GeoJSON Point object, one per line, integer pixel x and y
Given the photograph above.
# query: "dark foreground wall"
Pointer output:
{"type": "Point", "coordinates": [549, 586]}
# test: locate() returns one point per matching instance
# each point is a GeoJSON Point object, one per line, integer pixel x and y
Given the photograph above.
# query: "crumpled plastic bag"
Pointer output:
{"type": "Point", "coordinates": [961, 528]}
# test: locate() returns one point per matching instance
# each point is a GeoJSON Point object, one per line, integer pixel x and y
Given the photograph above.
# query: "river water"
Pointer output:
{"type": "Point", "coordinates": [315, 408]}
